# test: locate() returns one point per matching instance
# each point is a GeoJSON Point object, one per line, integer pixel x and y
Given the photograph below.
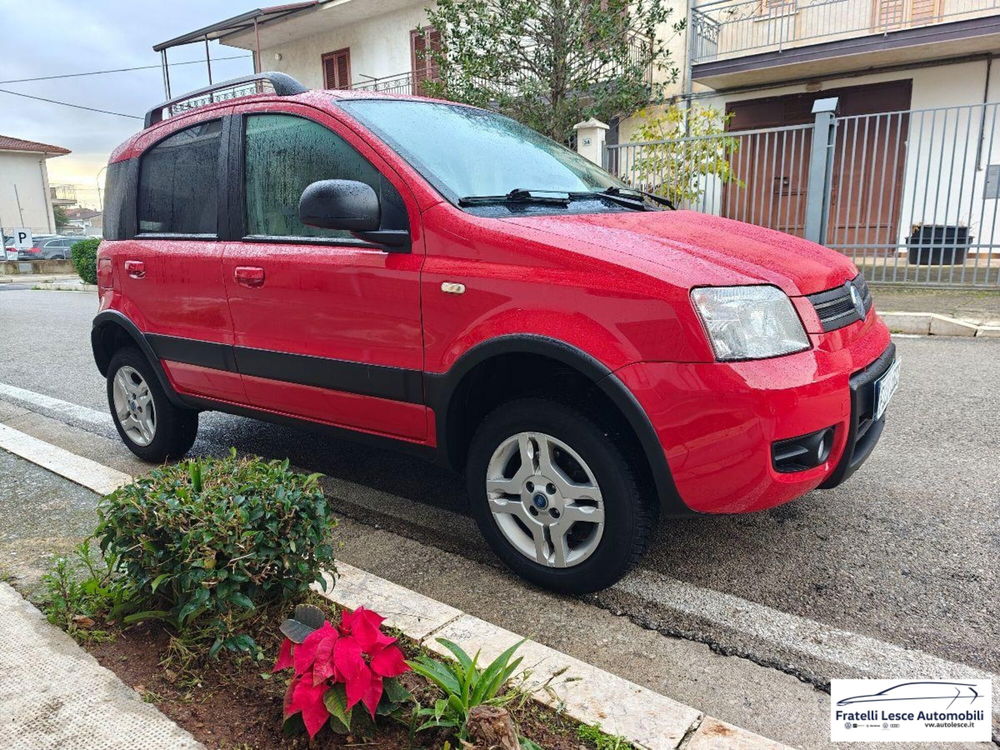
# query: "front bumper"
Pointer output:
{"type": "Point", "coordinates": [717, 422]}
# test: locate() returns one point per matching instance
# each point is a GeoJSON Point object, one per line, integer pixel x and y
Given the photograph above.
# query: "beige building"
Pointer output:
{"type": "Point", "coordinates": [25, 196]}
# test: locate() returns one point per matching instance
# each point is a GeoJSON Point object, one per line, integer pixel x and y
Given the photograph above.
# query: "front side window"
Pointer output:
{"type": "Point", "coordinates": [284, 154]}
{"type": "Point", "coordinates": [178, 182]}
{"type": "Point", "coordinates": [470, 152]}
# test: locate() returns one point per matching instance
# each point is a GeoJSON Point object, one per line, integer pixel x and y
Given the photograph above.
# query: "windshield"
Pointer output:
{"type": "Point", "coordinates": [468, 152]}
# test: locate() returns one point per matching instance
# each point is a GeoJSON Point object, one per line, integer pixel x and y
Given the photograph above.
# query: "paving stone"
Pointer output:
{"type": "Point", "coordinates": [718, 735]}
{"type": "Point", "coordinates": [55, 696]}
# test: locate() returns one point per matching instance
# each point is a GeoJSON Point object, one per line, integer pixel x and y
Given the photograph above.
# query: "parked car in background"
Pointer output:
{"type": "Point", "coordinates": [50, 247]}
{"type": "Point", "coordinates": [444, 279]}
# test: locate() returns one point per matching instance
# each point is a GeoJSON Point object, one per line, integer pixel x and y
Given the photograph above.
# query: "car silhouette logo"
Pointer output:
{"type": "Point", "coordinates": [918, 691]}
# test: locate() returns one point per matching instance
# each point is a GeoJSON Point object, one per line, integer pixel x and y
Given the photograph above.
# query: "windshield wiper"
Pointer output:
{"type": "Point", "coordinates": [519, 195]}
{"type": "Point", "coordinates": [636, 195]}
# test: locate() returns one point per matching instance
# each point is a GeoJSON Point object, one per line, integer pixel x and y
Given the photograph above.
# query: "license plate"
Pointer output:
{"type": "Point", "coordinates": [885, 387]}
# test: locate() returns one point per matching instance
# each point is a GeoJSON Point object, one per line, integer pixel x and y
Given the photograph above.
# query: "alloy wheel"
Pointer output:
{"type": "Point", "coordinates": [545, 499]}
{"type": "Point", "coordinates": [134, 406]}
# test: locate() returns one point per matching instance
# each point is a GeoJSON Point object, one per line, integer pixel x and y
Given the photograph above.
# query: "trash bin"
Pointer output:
{"type": "Point", "coordinates": [938, 245]}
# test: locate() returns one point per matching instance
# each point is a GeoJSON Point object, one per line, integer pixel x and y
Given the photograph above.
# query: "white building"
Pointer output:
{"type": "Point", "coordinates": [25, 199]}
{"type": "Point", "coordinates": [337, 44]}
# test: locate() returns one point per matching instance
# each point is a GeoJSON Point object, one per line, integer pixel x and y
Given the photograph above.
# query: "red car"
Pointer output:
{"type": "Point", "coordinates": [445, 279]}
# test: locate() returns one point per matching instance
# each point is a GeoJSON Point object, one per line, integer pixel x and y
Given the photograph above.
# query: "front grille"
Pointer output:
{"type": "Point", "coordinates": [835, 307]}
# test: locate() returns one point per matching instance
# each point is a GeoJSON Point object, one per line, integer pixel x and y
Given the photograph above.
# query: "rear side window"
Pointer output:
{"type": "Point", "coordinates": [284, 154]}
{"type": "Point", "coordinates": [178, 182]}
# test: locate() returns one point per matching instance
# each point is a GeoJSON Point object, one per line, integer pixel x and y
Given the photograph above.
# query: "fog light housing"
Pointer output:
{"type": "Point", "coordinates": [802, 452]}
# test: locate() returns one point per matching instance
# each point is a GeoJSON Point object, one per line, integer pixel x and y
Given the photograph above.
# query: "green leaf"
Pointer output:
{"type": "Point", "coordinates": [436, 672]}
{"type": "Point", "coordinates": [395, 691]}
{"type": "Point", "coordinates": [149, 614]}
{"type": "Point", "coordinates": [463, 658]}
{"type": "Point", "coordinates": [242, 600]}
{"type": "Point", "coordinates": [495, 675]}
{"type": "Point", "coordinates": [158, 580]}
{"type": "Point", "coordinates": [335, 700]}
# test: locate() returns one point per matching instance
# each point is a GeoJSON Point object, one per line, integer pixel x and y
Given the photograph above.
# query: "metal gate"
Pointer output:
{"type": "Point", "coordinates": [910, 196]}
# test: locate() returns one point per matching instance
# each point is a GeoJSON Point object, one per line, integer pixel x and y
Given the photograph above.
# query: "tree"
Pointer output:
{"type": "Point", "coordinates": [59, 213]}
{"type": "Point", "coordinates": [551, 63]}
{"type": "Point", "coordinates": [686, 151]}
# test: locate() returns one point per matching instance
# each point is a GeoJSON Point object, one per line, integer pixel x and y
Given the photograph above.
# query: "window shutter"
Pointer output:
{"type": "Point", "coordinates": [423, 42]}
{"type": "Point", "coordinates": [337, 69]}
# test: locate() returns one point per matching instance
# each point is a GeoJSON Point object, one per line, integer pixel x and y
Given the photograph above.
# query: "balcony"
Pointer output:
{"type": "Point", "coordinates": [407, 83]}
{"type": "Point", "coordinates": [745, 42]}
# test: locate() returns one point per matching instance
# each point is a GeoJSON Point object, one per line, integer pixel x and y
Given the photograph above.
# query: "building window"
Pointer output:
{"type": "Point", "coordinates": [284, 154]}
{"type": "Point", "coordinates": [178, 182]}
{"type": "Point", "coordinates": [337, 69]}
{"type": "Point", "coordinates": [423, 43]}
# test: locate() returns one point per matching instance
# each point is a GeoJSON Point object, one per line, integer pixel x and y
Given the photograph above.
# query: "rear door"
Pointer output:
{"type": "Point", "coordinates": [326, 326]}
{"type": "Point", "coordinates": [171, 271]}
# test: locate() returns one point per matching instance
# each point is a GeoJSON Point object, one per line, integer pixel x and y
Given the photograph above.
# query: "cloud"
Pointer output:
{"type": "Point", "coordinates": [52, 37]}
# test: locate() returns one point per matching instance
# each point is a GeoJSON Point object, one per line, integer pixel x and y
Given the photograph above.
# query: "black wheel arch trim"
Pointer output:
{"type": "Point", "coordinates": [102, 357]}
{"type": "Point", "coordinates": [440, 389]}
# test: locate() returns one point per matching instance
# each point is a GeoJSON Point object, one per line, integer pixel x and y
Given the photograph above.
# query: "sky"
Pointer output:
{"type": "Point", "coordinates": [55, 37]}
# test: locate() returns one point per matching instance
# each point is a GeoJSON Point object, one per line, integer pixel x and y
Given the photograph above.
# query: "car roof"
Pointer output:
{"type": "Point", "coordinates": [319, 98]}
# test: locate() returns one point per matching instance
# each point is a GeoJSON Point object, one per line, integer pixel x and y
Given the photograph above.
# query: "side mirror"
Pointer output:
{"type": "Point", "coordinates": [340, 204]}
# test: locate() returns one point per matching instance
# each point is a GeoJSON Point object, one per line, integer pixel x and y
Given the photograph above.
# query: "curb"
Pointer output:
{"type": "Point", "coordinates": [933, 324]}
{"type": "Point", "coordinates": [579, 690]}
{"type": "Point", "coordinates": [46, 287]}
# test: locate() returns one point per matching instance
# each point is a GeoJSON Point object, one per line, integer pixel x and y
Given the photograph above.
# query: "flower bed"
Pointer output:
{"type": "Point", "coordinates": [237, 702]}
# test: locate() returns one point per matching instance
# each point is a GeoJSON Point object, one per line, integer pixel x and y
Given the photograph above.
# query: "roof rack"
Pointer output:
{"type": "Point", "coordinates": [282, 83]}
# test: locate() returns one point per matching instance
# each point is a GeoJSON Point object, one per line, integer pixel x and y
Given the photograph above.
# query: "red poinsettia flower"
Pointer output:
{"type": "Point", "coordinates": [356, 654]}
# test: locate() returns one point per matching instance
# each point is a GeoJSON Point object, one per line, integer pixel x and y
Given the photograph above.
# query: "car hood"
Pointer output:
{"type": "Point", "coordinates": [701, 249]}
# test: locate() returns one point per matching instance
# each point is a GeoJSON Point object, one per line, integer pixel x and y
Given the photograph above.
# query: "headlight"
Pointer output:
{"type": "Point", "coordinates": [749, 322]}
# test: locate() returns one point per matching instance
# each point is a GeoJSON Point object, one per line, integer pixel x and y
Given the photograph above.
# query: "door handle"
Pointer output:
{"type": "Point", "coordinates": [249, 276]}
{"type": "Point", "coordinates": [136, 269]}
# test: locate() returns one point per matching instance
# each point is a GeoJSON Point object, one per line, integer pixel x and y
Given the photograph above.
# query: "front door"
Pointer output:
{"type": "Point", "coordinates": [326, 327]}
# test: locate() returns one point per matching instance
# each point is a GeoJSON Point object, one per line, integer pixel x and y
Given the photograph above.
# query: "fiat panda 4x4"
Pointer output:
{"type": "Point", "coordinates": [437, 276]}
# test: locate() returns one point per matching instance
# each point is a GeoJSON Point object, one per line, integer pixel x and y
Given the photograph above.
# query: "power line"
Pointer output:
{"type": "Point", "coordinates": [67, 104]}
{"type": "Point", "coordinates": [122, 70]}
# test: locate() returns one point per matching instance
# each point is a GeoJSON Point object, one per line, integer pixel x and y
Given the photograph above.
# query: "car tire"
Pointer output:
{"type": "Point", "coordinates": [571, 454]}
{"type": "Point", "coordinates": [151, 426]}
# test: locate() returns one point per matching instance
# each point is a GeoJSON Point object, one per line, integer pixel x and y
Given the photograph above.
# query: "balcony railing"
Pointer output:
{"type": "Point", "coordinates": [725, 29]}
{"type": "Point", "coordinates": [403, 83]}
{"type": "Point", "coordinates": [400, 83]}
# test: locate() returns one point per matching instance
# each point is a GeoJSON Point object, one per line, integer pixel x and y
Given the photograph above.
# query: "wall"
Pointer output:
{"type": "Point", "coordinates": [29, 173]}
{"type": "Point", "coordinates": [380, 47]}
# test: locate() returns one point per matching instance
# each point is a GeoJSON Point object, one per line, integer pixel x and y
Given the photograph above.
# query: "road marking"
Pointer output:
{"type": "Point", "coordinates": [858, 653]}
{"type": "Point", "coordinates": [55, 405]}
{"type": "Point", "coordinates": [92, 475]}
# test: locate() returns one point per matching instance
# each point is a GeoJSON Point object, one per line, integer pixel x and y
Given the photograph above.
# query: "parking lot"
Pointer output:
{"type": "Point", "coordinates": [892, 568]}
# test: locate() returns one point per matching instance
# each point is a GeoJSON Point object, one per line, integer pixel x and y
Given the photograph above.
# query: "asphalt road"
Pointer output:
{"type": "Point", "coordinates": [905, 552]}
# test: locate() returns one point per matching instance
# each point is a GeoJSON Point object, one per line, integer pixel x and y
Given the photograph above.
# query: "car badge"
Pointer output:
{"type": "Point", "coordinates": [856, 300]}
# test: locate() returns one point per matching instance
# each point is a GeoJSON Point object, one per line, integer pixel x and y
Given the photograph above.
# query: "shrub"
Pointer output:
{"type": "Point", "coordinates": [205, 542]}
{"type": "Point", "coordinates": [84, 255]}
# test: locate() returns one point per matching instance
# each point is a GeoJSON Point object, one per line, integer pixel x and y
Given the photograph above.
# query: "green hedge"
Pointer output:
{"type": "Point", "coordinates": [84, 254]}
{"type": "Point", "coordinates": [204, 542]}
